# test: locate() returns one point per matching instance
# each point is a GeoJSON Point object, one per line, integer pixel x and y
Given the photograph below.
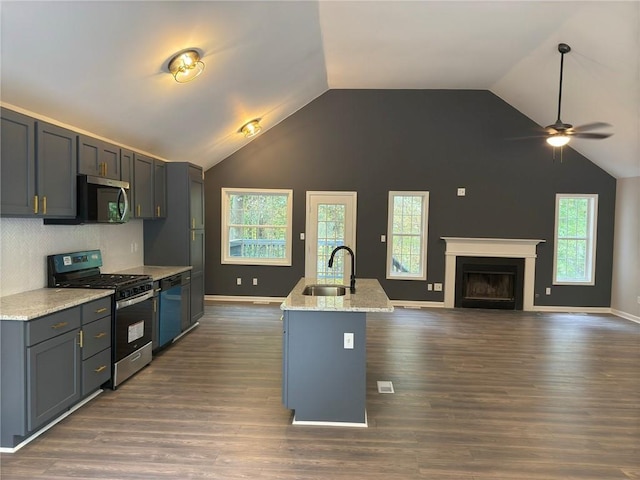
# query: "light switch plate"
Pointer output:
{"type": "Point", "coordinates": [348, 341]}
{"type": "Point", "coordinates": [462, 192]}
{"type": "Point", "coordinates": [383, 238]}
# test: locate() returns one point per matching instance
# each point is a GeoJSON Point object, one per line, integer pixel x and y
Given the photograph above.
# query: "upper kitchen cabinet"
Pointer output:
{"type": "Point", "coordinates": [98, 158]}
{"type": "Point", "coordinates": [18, 167]}
{"type": "Point", "coordinates": [38, 168]}
{"type": "Point", "coordinates": [126, 166]}
{"type": "Point", "coordinates": [142, 186]}
{"type": "Point", "coordinates": [160, 188]}
{"type": "Point", "coordinates": [149, 187]}
{"type": "Point", "coordinates": [196, 197]}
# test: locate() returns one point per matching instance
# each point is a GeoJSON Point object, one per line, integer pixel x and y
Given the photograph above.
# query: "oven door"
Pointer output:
{"type": "Point", "coordinates": [133, 324]}
{"type": "Point", "coordinates": [132, 348]}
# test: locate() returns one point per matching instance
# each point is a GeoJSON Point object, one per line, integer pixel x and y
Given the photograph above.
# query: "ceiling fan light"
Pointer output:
{"type": "Point", "coordinates": [185, 66]}
{"type": "Point", "coordinates": [558, 140]}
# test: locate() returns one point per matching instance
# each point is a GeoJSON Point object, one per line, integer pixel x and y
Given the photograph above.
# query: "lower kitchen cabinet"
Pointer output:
{"type": "Point", "coordinates": [49, 364]}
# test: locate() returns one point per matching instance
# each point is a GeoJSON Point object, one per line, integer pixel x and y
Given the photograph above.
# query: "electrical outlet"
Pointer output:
{"type": "Point", "coordinates": [383, 238]}
{"type": "Point", "coordinates": [255, 281]}
{"type": "Point", "coordinates": [462, 192]}
{"type": "Point", "coordinates": [301, 235]}
{"type": "Point", "coordinates": [437, 287]}
{"type": "Point", "coordinates": [238, 281]}
{"type": "Point", "coordinates": [348, 341]}
{"type": "Point", "coordinates": [547, 291]}
{"type": "Point", "coordinates": [429, 286]}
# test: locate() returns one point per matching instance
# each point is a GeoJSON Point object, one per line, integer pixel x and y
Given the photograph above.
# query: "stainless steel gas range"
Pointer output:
{"type": "Point", "coordinates": [133, 307]}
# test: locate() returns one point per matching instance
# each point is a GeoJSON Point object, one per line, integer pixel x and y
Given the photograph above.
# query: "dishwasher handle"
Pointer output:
{"type": "Point", "coordinates": [170, 282]}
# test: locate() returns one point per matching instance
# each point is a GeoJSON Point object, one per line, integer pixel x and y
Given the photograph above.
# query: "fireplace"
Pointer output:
{"type": "Point", "coordinates": [489, 282]}
{"type": "Point", "coordinates": [519, 248]}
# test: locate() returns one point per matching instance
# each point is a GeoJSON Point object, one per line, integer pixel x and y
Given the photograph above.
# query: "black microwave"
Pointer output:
{"type": "Point", "coordinates": [99, 200]}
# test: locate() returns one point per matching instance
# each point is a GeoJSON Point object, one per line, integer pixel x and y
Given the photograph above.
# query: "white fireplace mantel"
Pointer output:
{"type": "Point", "coordinates": [490, 247]}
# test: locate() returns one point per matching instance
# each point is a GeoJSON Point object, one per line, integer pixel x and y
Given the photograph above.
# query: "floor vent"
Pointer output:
{"type": "Point", "coordinates": [385, 387]}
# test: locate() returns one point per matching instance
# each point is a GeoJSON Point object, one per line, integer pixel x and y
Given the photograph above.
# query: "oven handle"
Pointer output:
{"type": "Point", "coordinates": [132, 301]}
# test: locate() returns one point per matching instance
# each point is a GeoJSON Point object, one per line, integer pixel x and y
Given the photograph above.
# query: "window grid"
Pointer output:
{"type": "Point", "coordinates": [331, 233]}
{"type": "Point", "coordinates": [256, 226]}
{"type": "Point", "coordinates": [406, 251]}
{"type": "Point", "coordinates": [575, 239]}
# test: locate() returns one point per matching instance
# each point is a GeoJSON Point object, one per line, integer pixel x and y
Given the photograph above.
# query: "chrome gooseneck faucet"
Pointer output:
{"type": "Point", "coordinates": [352, 286]}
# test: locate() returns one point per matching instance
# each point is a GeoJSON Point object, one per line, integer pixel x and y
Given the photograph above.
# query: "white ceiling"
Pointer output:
{"type": "Point", "coordinates": [101, 66]}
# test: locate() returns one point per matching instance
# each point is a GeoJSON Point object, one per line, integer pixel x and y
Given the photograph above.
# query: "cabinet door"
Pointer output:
{"type": "Point", "coordinates": [53, 373]}
{"type": "Point", "coordinates": [96, 371]}
{"type": "Point", "coordinates": [17, 166]}
{"type": "Point", "coordinates": [143, 186]}
{"type": "Point", "coordinates": [196, 198]}
{"type": "Point", "coordinates": [110, 158]}
{"type": "Point", "coordinates": [160, 188]}
{"type": "Point", "coordinates": [56, 162]}
{"type": "Point", "coordinates": [196, 260]}
{"type": "Point", "coordinates": [185, 305]}
{"type": "Point", "coordinates": [89, 162]}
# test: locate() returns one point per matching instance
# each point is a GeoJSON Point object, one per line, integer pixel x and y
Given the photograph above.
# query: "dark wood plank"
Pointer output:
{"type": "Point", "coordinates": [480, 395]}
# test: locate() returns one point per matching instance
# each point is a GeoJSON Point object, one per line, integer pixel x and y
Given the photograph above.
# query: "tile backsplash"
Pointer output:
{"type": "Point", "coordinates": [26, 242]}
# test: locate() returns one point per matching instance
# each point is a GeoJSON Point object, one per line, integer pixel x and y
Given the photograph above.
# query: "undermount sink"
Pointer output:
{"type": "Point", "coordinates": [325, 290]}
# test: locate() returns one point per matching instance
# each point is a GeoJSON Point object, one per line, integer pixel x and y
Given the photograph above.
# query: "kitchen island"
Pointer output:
{"type": "Point", "coordinates": [324, 361]}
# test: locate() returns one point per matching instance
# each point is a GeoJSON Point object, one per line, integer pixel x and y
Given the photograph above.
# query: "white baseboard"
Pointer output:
{"type": "Point", "coordinates": [240, 298]}
{"type": "Point", "coordinates": [416, 304]}
{"type": "Point", "coordinates": [625, 315]}
{"type": "Point", "coordinates": [565, 309]}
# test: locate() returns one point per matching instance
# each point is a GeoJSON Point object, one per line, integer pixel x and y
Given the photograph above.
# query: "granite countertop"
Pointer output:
{"type": "Point", "coordinates": [156, 272]}
{"type": "Point", "coordinates": [369, 297]}
{"type": "Point", "coordinates": [44, 301]}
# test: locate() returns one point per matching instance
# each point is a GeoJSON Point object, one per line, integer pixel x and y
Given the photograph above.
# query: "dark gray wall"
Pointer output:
{"type": "Point", "coordinates": [373, 141]}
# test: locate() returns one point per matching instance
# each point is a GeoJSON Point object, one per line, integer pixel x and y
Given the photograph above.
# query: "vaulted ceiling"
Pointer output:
{"type": "Point", "coordinates": [102, 66]}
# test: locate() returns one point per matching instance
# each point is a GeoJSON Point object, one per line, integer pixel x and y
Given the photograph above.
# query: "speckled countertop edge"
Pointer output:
{"type": "Point", "coordinates": [369, 297]}
{"type": "Point", "coordinates": [156, 272]}
{"type": "Point", "coordinates": [44, 301]}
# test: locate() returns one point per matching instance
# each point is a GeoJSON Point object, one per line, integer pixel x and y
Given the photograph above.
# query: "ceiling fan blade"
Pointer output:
{"type": "Point", "coordinates": [591, 135]}
{"type": "Point", "coordinates": [591, 126]}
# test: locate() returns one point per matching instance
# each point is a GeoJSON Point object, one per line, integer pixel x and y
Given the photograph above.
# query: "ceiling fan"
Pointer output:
{"type": "Point", "coordinates": [559, 133]}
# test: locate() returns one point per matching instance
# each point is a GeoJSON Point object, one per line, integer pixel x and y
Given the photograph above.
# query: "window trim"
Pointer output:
{"type": "Point", "coordinates": [425, 230]}
{"type": "Point", "coordinates": [590, 278]}
{"type": "Point", "coordinates": [227, 259]}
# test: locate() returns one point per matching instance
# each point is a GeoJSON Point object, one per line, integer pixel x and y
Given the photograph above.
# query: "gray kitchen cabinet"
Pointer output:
{"type": "Point", "coordinates": [95, 341]}
{"type": "Point", "coordinates": [98, 158]}
{"type": "Point", "coordinates": [185, 302]}
{"type": "Point", "coordinates": [155, 319]}
{"type": "Point", "coordinates": [149, 187]}
{"type": "Point", "coordinates": [126, 174]}
{"type": "Point", "coordinates": [18, 167]}
{"type": "Point", "coordinates": [38, 169]}
{"type": "Point", "coordinates": [49, 364]}
{"type": "Point", "coordinates": [178, 239]}
{"type": "Point", "coordinates": [142, 186]}
{"type": "Point", "coordinates": [321, 379]}
{"type": "Point", "coordinates": [159, 188]}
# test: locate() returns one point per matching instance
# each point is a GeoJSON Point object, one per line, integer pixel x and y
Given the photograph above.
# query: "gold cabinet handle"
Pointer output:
{"type": "Point", "coordinates": [158, 210]}
{"type": "Point", "coordinates": [100, 310]}
{"type": "Point", "coordinates": [81, 342]}
{"type": "Point", "coordinates": [106, 167]}
{"type": "Point", "coordinates": [35, 204]}
{"type": "Point", "coordinates": [193, 222]}
{"type": "Point", "coordinates": [59, 325]}
{"type": "Point", "coordinates": [154, 306]}
{"type": "Point", "coordinates": [138, 210]}
{"type": "Point", "coordinates": [100, 368]}
{"type": "Point", "coordinates": [100, 335]}
{"type": "Point", "coordinates": [193, 235]}
{"type": "Point", "coordinates": [44, 205]}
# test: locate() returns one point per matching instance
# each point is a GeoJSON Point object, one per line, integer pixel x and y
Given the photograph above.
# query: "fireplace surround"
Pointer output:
{"type": "Point", "coordinates": [491, 248]}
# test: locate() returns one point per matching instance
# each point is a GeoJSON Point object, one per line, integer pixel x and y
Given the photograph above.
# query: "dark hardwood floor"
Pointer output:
{"type": "Point", "coordinates": [480, 395]}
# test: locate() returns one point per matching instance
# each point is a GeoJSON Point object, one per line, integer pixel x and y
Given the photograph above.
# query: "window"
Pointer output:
{"type": "Point", "coordinates": [407, 235]}
{"type": "Point", "coordinates": [575, 239]}
{"type": "Point", "coordinates": [256, 226]}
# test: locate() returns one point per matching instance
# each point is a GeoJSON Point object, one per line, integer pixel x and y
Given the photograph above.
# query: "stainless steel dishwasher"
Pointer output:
{"type": "Point", "coordinates": [170, 309]}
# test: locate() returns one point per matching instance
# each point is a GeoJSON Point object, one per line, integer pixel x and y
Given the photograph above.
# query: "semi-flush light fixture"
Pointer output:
{"type": "Point", "coordinates": [186, 65]}
{"type": "Point", "coordinates": [251, 129]}
{"type": "Point", "coordinates": [558, 140]}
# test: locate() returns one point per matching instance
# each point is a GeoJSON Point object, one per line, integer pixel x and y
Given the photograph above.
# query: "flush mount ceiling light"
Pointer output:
{"type": "Point", "coordinates": [251, 129]}
{"type": "Point", "coordinates": [186, 65]}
